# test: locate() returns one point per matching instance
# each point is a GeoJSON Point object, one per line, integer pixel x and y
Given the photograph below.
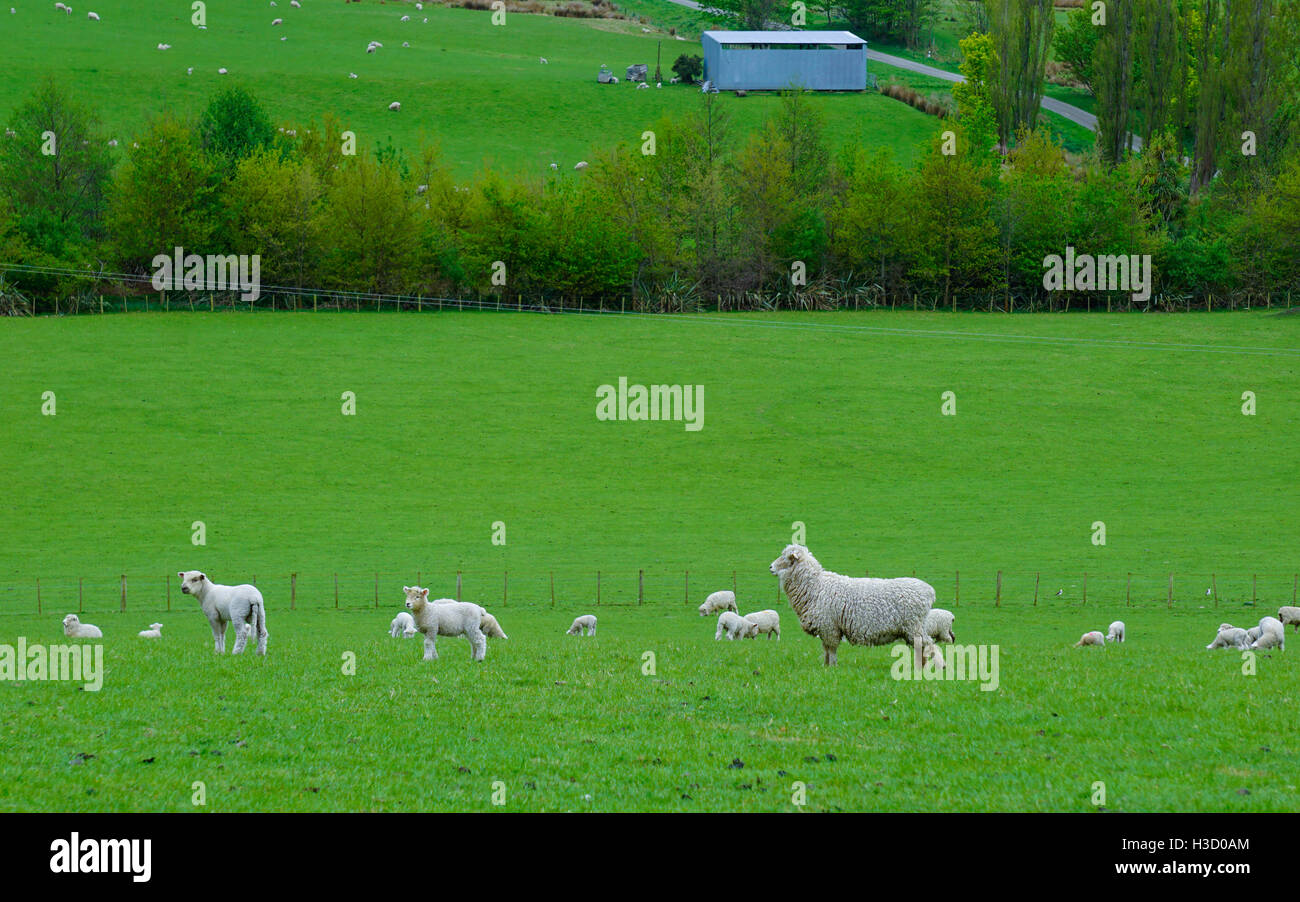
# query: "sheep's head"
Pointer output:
{"type": "Point", "coordinates": [416, 598]}
{"type": "Point", "coordinates": [793, 556]}
{"type": "Point", "coordinates": [155, 626]}
{"type": "Point", "coordinates": [193, 582]}
{"type": "Point", "coordinates": [72, 621]}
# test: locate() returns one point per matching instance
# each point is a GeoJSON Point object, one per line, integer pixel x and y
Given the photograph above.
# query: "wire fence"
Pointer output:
{"type": "Point", "coordinates": [659, 586]}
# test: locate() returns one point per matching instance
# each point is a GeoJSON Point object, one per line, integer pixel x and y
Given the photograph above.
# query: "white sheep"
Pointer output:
{"type": "Point", "coordinates": [863, 610]}
{"type": "Point", "coordinates": [735, 627]}
{"type": "Point", "coordinates": [241, 605]}
{"type": "Point", "coordinates": [581, 164]}
{"type": "Point", "coordinates": [722, 600]}
{"type": "Point", "coordinates": [394, 106]}
{"type": "Point", "coordinates": [94, 17]}
{"type": "Point", "coordinates": [582, 626]}
{"type": "Point", "coordinates": [295, 4]}
{"type": "Point", "coordinates": [642, 86]}
{"type": "Point", "coordinates": [542, 60]}
{"type": "Point", "coordinates": [1116, 632]}
{"type": "Point", "coordinates": [403, 625]}
{"type": "Point", "coordinates": [491, 628]}
{"type": "Point", "coordinates": [1272, 634]}
{"type": "Point", "coordinates": [153, 632]}
{"type": "Point", "coordinates": [768, 621]}
{"type": "Point", "coordinates": [352, 75]}
{"type": "Point", "coordinates": [1228, 636]}
{"type": "Point", "coordinates": [73, 628]}
{"type": "Point", "coordinates": [446, 617]}
{"type": "Point", "coordinates": [277, 21]}
{"type": "Point", "coordinates": [1252, 634]}
{"type": "Point", "coordinates": [405, 19]}
{"type": "Point", "coordinates": [164, 46]}
{"type": "Point", "coordinates": [938, 625]}
{"type": "Point", "coordinates": [1289, 615]}
{"type": "Point", "coordinates": [1093, 637]}
{"type": "Point", "coordinates": [221, 71]}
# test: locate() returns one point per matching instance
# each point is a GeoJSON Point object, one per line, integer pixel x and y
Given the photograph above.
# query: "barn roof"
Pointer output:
{"type": "Point", "coordinates": [784, 37]}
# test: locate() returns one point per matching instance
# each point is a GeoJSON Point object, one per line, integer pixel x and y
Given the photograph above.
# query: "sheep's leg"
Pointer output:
{"type": "Point", "coordinates": [477, 643]}
{"type": "Point", "coordinates": [430, 648]}
{"type": "Point", "coordinates": [239, 619]}
{"type": "Point", "coordinates": [218, 636]}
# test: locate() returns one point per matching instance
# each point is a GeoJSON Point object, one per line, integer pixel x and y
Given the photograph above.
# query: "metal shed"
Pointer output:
{"type": "Point", "coordinates": [775, 60]}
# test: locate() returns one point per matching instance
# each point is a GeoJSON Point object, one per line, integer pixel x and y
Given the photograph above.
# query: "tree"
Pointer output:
{"type": "Point", "coordinates": [1022, 37]}
{"type": "Point", "coordinates": [689, 67]}
{"type": "Point", "coordinates": [1075, 45]}
{"type": "Point", "coordinates": [753, 14]}
{"type": "Point", "coordinates": [275, 206]}
{"type": "Point", "coordinates": [234, 126]}
{"type": "Point", "coordinates": [1161, 63]}
{"type": "Point", "coordinates": [1114, 73]}
{"type": "Point", "coordinates": [956, 215]}
{"type": "Point", "coordinates": [370, 228]}
{"type": "Point", "coordinates": [873, 223]}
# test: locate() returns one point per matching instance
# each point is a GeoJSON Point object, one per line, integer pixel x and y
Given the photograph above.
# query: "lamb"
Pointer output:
{"type": "Point", "coordinates": [1289, 615]}
{"type": "Point", "coordinates": [542, 60]}
{"type": "Point", "coordinates": [1229, 636]}
{"type": "Point", "coordinates": [491, 628]}
{"type": "Point", "coordinates": [221, 71]}
{"type": "Point", "coordinates": [735, 627]}
{"type": "Point", "coordinates": [394, 106]}
{"type": "Point", "coordinates": [1253, 633]}
{"type": "Point", "coordinates": [1272, 634]}
{"type": "Point", "coordinates": [153, 632]}
{"type": "Point", "coordinates": [724, 600]}
{"type": "Point", "coordinates": [863, 610]}
{"type": "Point", "coordinates": [446, 617]}
{"type": "Point", "coordinates": [1116, 632]}
{"type": "Point", "coordinates": [73, 628]}
{"type": "Point", "coordinates": [581, 164]}
{"type": "Point", "coordinates": [277, 21]}
{"type": "Point", "coordinates": [405, 19]}
{"type": "Point", "coordinates": [938, 625]}
{"type": "Point", "coordinates": [295, 4]}
{"type": "Point", "coordinates": [768, 621]}
{"type": "Point", "coordinates": [1091, 638]}
{"type": "Point", "coordinates": [582, 626]}
{"type": "Point", "coordinates": [403, 624]}
{"type": "Point", "coordinates": [94, 17]}
{"type": "Point", "coordinates": [242, 605]}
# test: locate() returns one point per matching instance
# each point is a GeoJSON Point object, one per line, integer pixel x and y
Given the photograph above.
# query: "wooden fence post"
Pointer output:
{"type": "Point", "coordinates": [81, 598]}
{"type": "Point", "coordinates": [293, 591]}
{"type": "Point", "coordinates": [38, 595]}
{"type": "Point", "coordinates": [1170, 602]}
{"type": "Point", "coordinates": [336, 590]}
{"type": "Point", "coordinates": [458, 585]}
{"type": "Point", "coordinates": [597, 587]}
{"type": "Point", "coordinates": [1085, 588]}
{"type": "Point", "coordinates": [1036, 589]}
{"type": "Point", "coordinates": [640, 585]}
{"type": "Point", "coordinates": [1128, 591]}
{"type": "Point", "coordinates": [552, 588]}
{"type": "Point", "coordinates": [997, 599]}
{"type": "Point", "coordinates": [123, 593]}
{"type": "Point", "coordinates": [733, 582]}
{"type": "Point", "coordinates": [956, 592]}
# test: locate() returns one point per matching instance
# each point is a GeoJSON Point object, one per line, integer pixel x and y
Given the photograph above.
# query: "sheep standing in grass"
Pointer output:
{"type": "Point", "coordinates": [446, 617]}
{"type": "Point", "coordinates": [1116, 632]}
{"type": "Point", "coordinates": [1228, 636]}
{"type": "Point", "coordinates": [403, 625]}
{"type": "Point", "coordinates": [1272, 634]}
{"type": "Point", "coordinates": [73, 628]}
{"type": "Point", "coordinates": [1289, 616]}
{"type": "Point", "coordinates": [765, 622]}
{"type": "Point", "coordinates": [938, 625]}
{"type": "Point", "coordinates": [863, 610]}
{"type": "Point", "coordinates": [734, 627]}
{"type": "Point", "coordinates": [241, 605]}
{"type": "Point", "coordinates": [719, 601]}
{"type": "Point", "coordinates": [1091, 638]}
{"type": "Point", "coordinates": [153, 632]}
{"type": "Point", "coordinates": [582, 626]}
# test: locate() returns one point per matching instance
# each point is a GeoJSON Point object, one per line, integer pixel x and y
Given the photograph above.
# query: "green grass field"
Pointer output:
{"type": "Point", "coordinates": [466, 420]}
{"type": "Point", "coordinates": [476, 89]}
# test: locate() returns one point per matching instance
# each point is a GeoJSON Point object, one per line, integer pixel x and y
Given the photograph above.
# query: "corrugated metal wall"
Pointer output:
{"type": "Point", "coordinates": [776, 69]}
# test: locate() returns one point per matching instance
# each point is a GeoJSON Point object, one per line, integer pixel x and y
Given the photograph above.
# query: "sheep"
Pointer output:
{"type": "Point", "coordinates": [1272, 634]}
{"type": "Point", "coordinates": [1091, 638]}
{"type": "Point", "coordinates": [189, 71]}
{"type": "Point", "coordinates": [1228, 636]}
{"type": "Point", "coordinates": [865, 611]}
{"type": "Point", "coordinates": [581, 164]}
{"type": "Point", "coordinates": [723, 600]}
{"type": "Point", "coordinates": [1289, 615]}
{"type": "Point", "coordinates": [582, 626]}
{"type": "Point", "coordinates": [1116, 632]}
{"type": "Point", "coordinates": [446, 617]}
{"type": "Point", "coordinates": [277, 21]}
{"type": "Point", "coordinates": [394, 106]}
{"type": "Point", "coordinates": [491, 628]}
{"type": "Point", "coordinates": [352, 75]}
{"type": "Point", "coordinates": [1253, 633]}
{"type": "Point", "coordinates": [73, 628]}
{"type": "Point", "coordinates": [642, 86]}
{"type": "Point", "coordinates": [221, 71]}
{"type": "Point", "coordinates": [674, 80]}
{"type": "Point", "coordinates": [164, 46]}
{"type": "Point", "coordinates": [406, 43]}
{"type": "Point", "coordinates": [768, 621]}
{"type": "Point", "coordinates": [555, 167]}
{"type": "Point", "coordinates": [543, 60]}
{"type": "Point", "coordinates": [94, 17]}
{"type": "Point", "coordinates": [153, 632]}
{"type": "Point", "coordinates": [735, 627]}
{"type": "Point", "coordinates": [59, 6]}
{"type": "Point", "coordinates": [241, 605]}
{"type": "Point", "coordinates": [295, 4]}
{"type": "Point", "coordinates": [938, 625]}
{"type": "Point", "coordinates": [405, 19]}
{"type": "Point", "coordinates": [403, 624]}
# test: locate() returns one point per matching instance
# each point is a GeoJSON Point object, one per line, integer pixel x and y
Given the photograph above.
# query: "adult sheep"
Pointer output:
{"type": "Point", "coordinates": [445, 617]}
{"type": "Point", "coordinates": [863, 610]}
{"type": "Point", "coordinates": [938, 625]}
{"type": "Point", "coordinates": [73, 628]}
{"type": "Point", "coordinates": [1289, 616]}
{"type": "Point", "coordinates": [1272, 634]}
{"type": "Point", "coordinates": [724, 600]}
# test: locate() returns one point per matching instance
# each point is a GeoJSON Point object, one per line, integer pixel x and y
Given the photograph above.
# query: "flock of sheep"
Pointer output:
{"type": "Point", "coordinates": [1269, 633]}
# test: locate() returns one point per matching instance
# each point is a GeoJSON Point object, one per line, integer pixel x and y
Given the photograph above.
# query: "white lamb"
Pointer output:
{"type": "Point", "coordinates": [73, 628]}
{"type": "Point", "coordinates": [277, 21]}
{"type": "Point", "coordinates": [1289, 616]}
{"type": "Point", "coordinates": [1091, 638]}
{"type": "Point", "coordinates": [735, 627]}
{"type": "Point", "coordinates": [724, 600]}
{"type": "Point", "coordinates": [394, 106]}
{"type": "Point", "coordinates": [1229, 636]}
{"type": "Point", "coordinates": [445, 617]}
{"type": "Point", "coordinates": [491, 628]}
{"type": "Point", "coordinates": [403, 625]}
{"type": "Point", "coordinates": [1272, 634]}
{"type": "Point", "coordinates": [1116, 632]}
{"type": "Point", "coordinates": [581, 164]}
{"type": "Point", "coordinates": [242, 605]}
{"type": "Point", "coordinates": [153, 632]}
{"type": "Point", "coordinates": [94, 17]}
{"type": "Point", "coordinates": [768, 621]}
{"type": "Point", "coordinates": [1253, 633]}
{"type": "Point", "coordinates": [938, 625]}
{"type": "Point", "coordinates": [582, 626]}
{"type": "Point", "coordinates": [863, 610]}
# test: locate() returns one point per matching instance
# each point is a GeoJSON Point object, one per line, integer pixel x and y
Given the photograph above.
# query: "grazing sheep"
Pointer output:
{"type": "Point", "coordinates": [865, 611]}
{"type": "Point", "coordinates": [641, 86]}
{"type": "Point", "coordinates": [242, 605]}
{"type": "Point", "coordinates": [1272, 634]}
{"type": "Point", "coordinates": [94, 17]}
{"type": "Point", "coordinates": [394, 106]}
{"type": "Point", "coordinates": [277, 21]}
{"type": "Point", "coordinates": [1229, 636]}
{"type": "Point", "coordinates": [723, 600]}
{"type": "Point", "coordinates": [582, 626]}
{"type": "Point", "coordinates": [406, 43]}
{"type": "Point", "coordinates": [221, 71]}
{"type": "Point", "coordinates": [1116, 632]}
{"type": "Point", "coordinates": [735, 627]}
{"type": "Point", "coordinates": [555, 167]}
{"type": "Point", "coordinates": [938, 625]}
{"type": "Point", "coordinates": [1091, 638]}
{"type": "Point", "coordinates": [189, 71]}
{"type": "Point", "coordinates": [164, 46]}
{"type": "Point", "coordinates": [352, 75]}
{"type": "Point", "coordinates": [295, 4]}
{"type": "Point", "coordinates": [1252, 634]}
{"type": "Point", "coordinates": [403, 624]}
{"type": "Point", "coordinates": [446, 617]}
{"type": "Point", "coordinates": [405, 19]}
{"type": "Point", "coordinates": [1289, 615]}
{"type": "Point", "coordinates": [768, 621]}
{"type": "Point", "coordinates": [73, 628]}
{"type": "Point", "coordinates": [542, 60]}
{"type": "Point", "coordinates": [491, 628]}
{"type": "Point", "coordinates": [153, 632]}
{"type": "Point", "coordinates": [581, 164]}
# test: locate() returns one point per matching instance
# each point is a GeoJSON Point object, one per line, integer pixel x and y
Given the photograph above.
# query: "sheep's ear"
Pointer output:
{"type": "Point", "coordinates": [424, 593]}
{"type": "Point", "coordinates": [406, 588]}
{"type": "Point", "coordinates": [180, 573]}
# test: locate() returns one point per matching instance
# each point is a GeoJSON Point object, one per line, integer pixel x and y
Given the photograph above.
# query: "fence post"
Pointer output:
{"type": "Point", "coordinates": [376, 590]}
{"type": "Point", "coordinates": [733, 582]}
{"type": "Point", "coordinates": [640, 585]}
{"type": "Point", "coordinates": [336, 590]}
{"type": "Point", "coordinates": [597, 587]}
{"type": "Point", "coordinates": [1214, 587]}
{"type": "Point", "coordinates": [38, 595]}
{"type": "Point", "coordinates": [293, 591]}
{"type": "Point", "coordinates": [1128, 591]}
{"type": "Point", "coordinates": [81, 599]}
{"type": "Point", "coordinates": [997, 599]}
{"type": "Point", "coordinates": [123, 593]}
{"type": "Point", "coordinates": [1170, 602]}
{"type": "Point", "coordinates": [956, 592]}
{"type": "Point", "coordinates": [505, 586]}
{"type": "Point", "coordinates": [1085, 588]}
{"type": "Point", "coordinates": [458, 585]}
{"type": "Point", "coordinates": [1036, 589]}
{"type": "Point", "coordinates": [552, 588]}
